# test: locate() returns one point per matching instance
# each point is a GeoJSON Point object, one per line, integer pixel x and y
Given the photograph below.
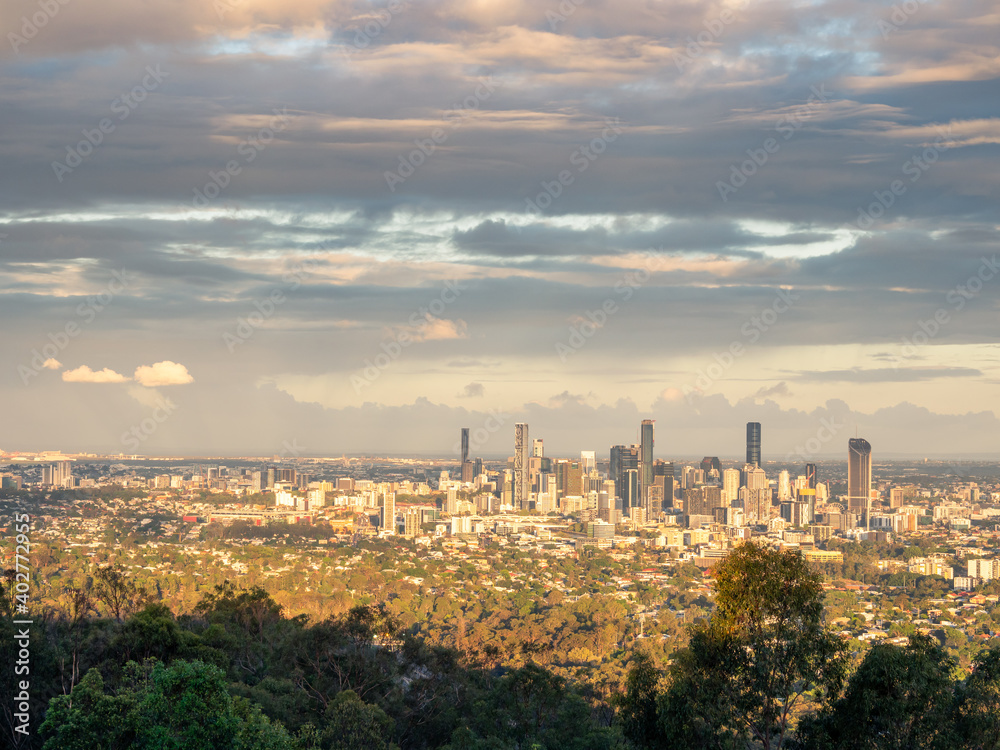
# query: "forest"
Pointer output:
{"type": "Point", "coordinates": [114, 667]}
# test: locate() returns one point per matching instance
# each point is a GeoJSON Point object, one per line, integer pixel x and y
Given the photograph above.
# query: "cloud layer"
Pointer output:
{"type": "Point", "coordinates": [382, 214]}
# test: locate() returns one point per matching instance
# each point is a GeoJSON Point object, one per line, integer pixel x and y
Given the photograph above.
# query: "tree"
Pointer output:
{"type": "Point", "coordinates": [752, 664]}
{"type": "Point", "coordinates": [118, 592]}
{"type": "Point", "coordinates": [898, 699]}
{"type": "Point", "coordinates": [977, 704]}
{"type": "Point", "coordinates": [182, 707]}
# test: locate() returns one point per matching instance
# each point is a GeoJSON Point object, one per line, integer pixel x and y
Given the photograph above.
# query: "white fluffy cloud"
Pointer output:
{"type": "Point", "coordinates": [84, 374]}
{"type": "Point", "coordinates": [163, 373]}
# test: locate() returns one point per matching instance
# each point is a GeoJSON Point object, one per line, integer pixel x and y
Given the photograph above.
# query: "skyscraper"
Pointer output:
{"type": "Point", "coordinates": [859, 475]}
{"type": "Point", "coordinates": [465, 444]}
{"type": "Point", "coordinates": [624, 458]}
{"type": "Point", "coordinates": [522, 486]}
{"type": "Point", "coordinates": [537, 448]}
{"type": "Point", "coordinates": [753, 443]}
{"type": "Point", "coordinates": [588, 460]}
{"type": "Point", "coordinates": [645, 456]}
{"type": "Point", "coordinates": [731, 485]}
{"type": "Point", "coordinates": [710, 464]}
{"type": "Point", "coordinates": [811, 476]}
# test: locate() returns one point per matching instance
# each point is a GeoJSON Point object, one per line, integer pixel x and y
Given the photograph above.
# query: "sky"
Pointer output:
{"type": "Point", "coordinates": [248, 227]}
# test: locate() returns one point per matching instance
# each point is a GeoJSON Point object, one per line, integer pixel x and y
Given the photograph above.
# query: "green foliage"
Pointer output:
{"type": "Point", "coordinates": [749, 665]}
{"type": "Point", "coordinates": [182, 707]}
{"type": "Point", "coordinates": [899, 699]}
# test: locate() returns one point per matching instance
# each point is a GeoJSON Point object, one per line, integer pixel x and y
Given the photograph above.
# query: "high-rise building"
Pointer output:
{"type": "Point", "coordinates": [538, 448]}
{"type": "Point", "coordinates": [811, 476]}
{"type": "Point", "coordinates": [411, 522]}
{"type": "Point", "coordinates": [588, 461]}
{"type": "Point", "coordinates": [465, 445]}
{"type": "Point", "coordinates": [389, 512]}
{"type": "Point", "coordinates": [624, 458]}
{"type": "Point", "coordinates": [753, 443]}
{"type": "Point", "coordinates": [730, 485]}
{"type": "Point", "coordinates": [784, 485]}
{"type": "Point", "coordinates": [57, 473]}
{"type": "Point", "coordinates": [645, 456]}
{"type": "Point", "coordinates": [663, 476]}
{"type": "Point", "coordinates": [859, 475]}
{"type": "Point", "coordinates": [522, 480]}
{"type": "Point", "coordinates": [710, 464]}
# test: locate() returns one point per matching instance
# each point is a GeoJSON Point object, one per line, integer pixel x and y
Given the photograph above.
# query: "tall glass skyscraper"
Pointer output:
{"type": "Point", "coordinates": [811, 476]}
{"type": "Point", "coordinates": [645, 457]}
{"type": "Point", "coordinates": [753, 443]}
{"type": "Point", "coordinates": [859, 475]}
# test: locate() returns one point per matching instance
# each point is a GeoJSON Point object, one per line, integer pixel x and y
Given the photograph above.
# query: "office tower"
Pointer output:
{"type": "Point", "coordinates": [756, 478]}
{"type": "Point", "coordinates": [784, 486]}
{"type": "Point", "coordinates": [468, 471]}
{"type": "Point", "coordinates": [731, 485]}
{"type": "Point", "coordinates": [522, 486]}
{"type": "Point", "coordinates": [389, 512]}
{"type": "Point", "coordinates": [569, 478]}
{"type": "Point", "coordinates": [896, 497]}
{"type": "Point", "coordinates": [859, 475]}
{"type": "Point", "coordinates": [645, 456]}
{"type": "Point", "coordinates": [623, 458]}
{"type": "Point", "coordinates": [710, 464]}
{"type": "Point", "coordinates": [56, 473]}
{"type": "Point", "coordinates": [477, 467]}
{"type": "Point", "coordinates": [588, 461]}
{"type": "Point", "coordinates": [465, 445]}
{"type": "Point", "coordinates": [537, 448]}
{"type": "Point", "coordinates": [272, 475]}
{"type": "Point", "coordinates": [663, 476]}
{"type": "Point", "coordinates": [411, 522]}
{"type": "Point", "coordinates": [753, 443]}
{"type": "Point", "coordinates": [630, 494]}
{"type": "Point", "coordinates": [811, 476]}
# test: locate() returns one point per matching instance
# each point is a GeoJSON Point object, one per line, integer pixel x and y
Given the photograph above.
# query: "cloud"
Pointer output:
{"type": "Point", "coordinates": [780, 389]}
{"type": "Point", "coordinates": [163, 373]}
{"type": "Point", "coordinates": [52, 364]}
{"type": "Point", "coordinates": [435, 329]}
{"type": "Point", "coordinates": [472, 390]}
{"type": "Point", "coordinates": [888, 374]}
{"type": "Point", "coordinates": [84, 374]}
